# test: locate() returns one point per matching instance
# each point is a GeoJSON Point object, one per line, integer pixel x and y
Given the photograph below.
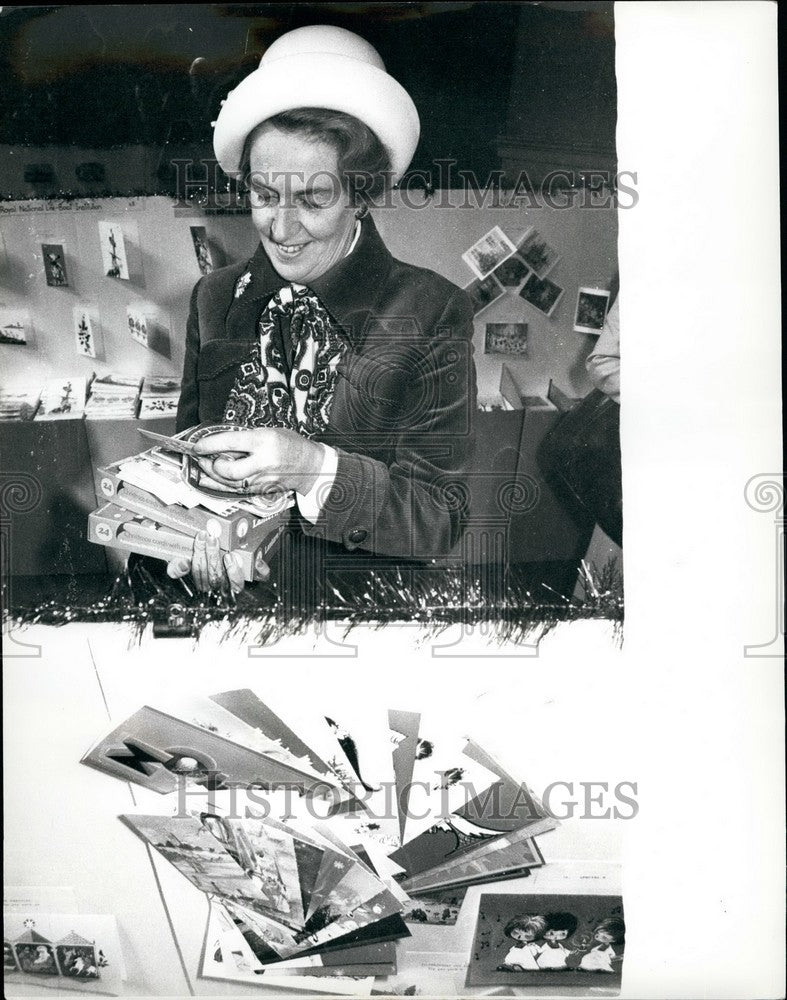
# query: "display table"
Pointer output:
{"type": "Point", "coordinates": [52, 463]}
{"type": "Point", "coordinates": [514, 517]}
{"type": "Point", "coordinates": [47, 493]}
{"type": "Point", "coordinates": [67, 833]}
{"type": "Point", "coordinates": [510, 502]}
{"type": "Point", "coordinates": [543, 531]}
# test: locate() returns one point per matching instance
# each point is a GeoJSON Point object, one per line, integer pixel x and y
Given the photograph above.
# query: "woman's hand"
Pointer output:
{"type": "Point", "coordinates": [214, 570]}
{"type": "Point", "coordinates": [275, 460]}
{"type": "Point", "coordinates": [272, 460]}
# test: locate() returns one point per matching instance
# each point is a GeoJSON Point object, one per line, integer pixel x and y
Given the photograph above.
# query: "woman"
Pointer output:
{"type": "Point", "coordinates": [350, 371]}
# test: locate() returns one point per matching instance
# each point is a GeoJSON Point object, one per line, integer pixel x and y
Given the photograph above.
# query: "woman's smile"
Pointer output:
{"type": "Point", "coordinates": [289, 250]}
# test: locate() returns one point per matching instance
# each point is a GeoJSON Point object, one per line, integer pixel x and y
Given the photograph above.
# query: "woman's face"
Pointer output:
{"type": "Point", "coordinates": [303, 216]}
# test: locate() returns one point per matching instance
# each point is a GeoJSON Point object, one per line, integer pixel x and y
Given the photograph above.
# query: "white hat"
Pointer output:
{"type": "Point", "coordinates": [319, 66]}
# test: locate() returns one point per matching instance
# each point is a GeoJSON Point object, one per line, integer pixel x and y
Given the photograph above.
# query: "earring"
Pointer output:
{"type": "Point", "coordinates": [362, 212]}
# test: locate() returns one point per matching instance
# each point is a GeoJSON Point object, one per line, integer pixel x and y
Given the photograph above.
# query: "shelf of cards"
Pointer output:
{"type": "Point", "coordinates": [102, 397]}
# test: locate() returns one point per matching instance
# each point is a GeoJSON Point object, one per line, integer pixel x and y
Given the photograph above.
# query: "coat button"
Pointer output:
{"type": "Point", "coordinates": [357, 535]}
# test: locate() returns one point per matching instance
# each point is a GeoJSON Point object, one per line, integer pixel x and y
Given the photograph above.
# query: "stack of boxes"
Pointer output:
{"type": "Point", "coordinates": [151, 510]}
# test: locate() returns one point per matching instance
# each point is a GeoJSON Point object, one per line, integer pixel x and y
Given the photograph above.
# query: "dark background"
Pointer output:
{"type": "Point", "coordinates": [538, 76]}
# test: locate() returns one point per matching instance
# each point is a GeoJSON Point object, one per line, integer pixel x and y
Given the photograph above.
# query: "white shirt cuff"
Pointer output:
{"type": "Point", "coordinates": [310, 504]}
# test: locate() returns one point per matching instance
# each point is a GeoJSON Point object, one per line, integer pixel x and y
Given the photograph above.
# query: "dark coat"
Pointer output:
{"type": "Point", "coordinates": [402, 415]}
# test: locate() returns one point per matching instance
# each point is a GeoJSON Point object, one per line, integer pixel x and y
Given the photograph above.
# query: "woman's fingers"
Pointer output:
{"type": "Point", "coordinates": [212, 569]}
{"type": "Point", "coordinates": [231, 471]}
{"type": "Point", "coordinates": [215, 564]}
{"type": "Point", "coordinates": [206, 464]}
{"type": "Point", "coordinates": [237, 469]}
{"type": "Point", "coordinates": [234, 572]}
{"type": "Point", "coordinates": [199, 561]}
{"type": "Point", "coordinates": [225, 441]}
{"type": "Point", "coordinates": [261, 569]}
{"type": "Point", "coordinates": [176, 568]}
{"type": "Point", "coordinates": [283, 458]}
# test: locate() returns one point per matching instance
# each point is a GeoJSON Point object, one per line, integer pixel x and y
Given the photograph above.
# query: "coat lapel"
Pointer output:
{"type": "Point", "coordinates": [248, 297]}
{"type": "Point", "coordinates": [351, 288]}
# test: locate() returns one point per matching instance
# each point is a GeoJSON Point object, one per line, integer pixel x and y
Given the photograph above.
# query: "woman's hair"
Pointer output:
{"type": "Point", "coordinates": [535, 923]}
{"type": "Point", "coordinates": [615, 926]}
{"type": "Point", "coordinates": [364, 163]}
{"type": "Point", "coordinates": [562, 922]}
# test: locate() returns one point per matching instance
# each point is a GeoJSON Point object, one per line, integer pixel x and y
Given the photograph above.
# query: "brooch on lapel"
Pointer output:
{"type": "Point", "coordinates": [242, 284]}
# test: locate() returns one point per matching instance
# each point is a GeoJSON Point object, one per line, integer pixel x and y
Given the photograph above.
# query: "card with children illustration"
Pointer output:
{"type": "Point", "coordinates": [525, 939]}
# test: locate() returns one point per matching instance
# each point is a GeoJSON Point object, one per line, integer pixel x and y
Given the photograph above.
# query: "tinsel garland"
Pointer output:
{"type": "Point", "coordinates": [379, 598]}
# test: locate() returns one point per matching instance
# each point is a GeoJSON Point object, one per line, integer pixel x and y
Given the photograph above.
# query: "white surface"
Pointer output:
{"type": "Point", "coordinates": [71, 826]}
{"type": "Point", "coordinates": [679, 709]}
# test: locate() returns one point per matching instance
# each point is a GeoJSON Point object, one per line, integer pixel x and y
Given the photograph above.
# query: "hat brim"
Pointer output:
{"type": "Point", "coordinates": [319, 80]}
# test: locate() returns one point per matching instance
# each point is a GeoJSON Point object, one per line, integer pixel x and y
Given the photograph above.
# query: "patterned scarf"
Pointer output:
{"type": "Point", "coordinates": [290, 377]}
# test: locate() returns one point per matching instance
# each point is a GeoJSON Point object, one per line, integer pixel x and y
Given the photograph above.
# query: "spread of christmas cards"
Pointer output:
{"type": "Point", "coordinates": [201, 742]}
{"type": "Point", "coordinates": [318, 835]}
{"type": "Point", "coordinates": [342, 971]}
{"type": "Point", "coordinates": [287, 903]}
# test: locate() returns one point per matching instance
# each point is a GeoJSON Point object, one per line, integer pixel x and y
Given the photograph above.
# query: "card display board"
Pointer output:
{"type": "Point", "coordinates": [163, 268]}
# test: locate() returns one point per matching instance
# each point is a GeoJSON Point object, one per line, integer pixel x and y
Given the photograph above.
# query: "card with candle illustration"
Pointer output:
{"type": "Point", "coordinates": [85, 331]}
{"type": "Point", "coordinates": [113, 250]}
{"type": "Point", "coordinates": [364, 750]}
